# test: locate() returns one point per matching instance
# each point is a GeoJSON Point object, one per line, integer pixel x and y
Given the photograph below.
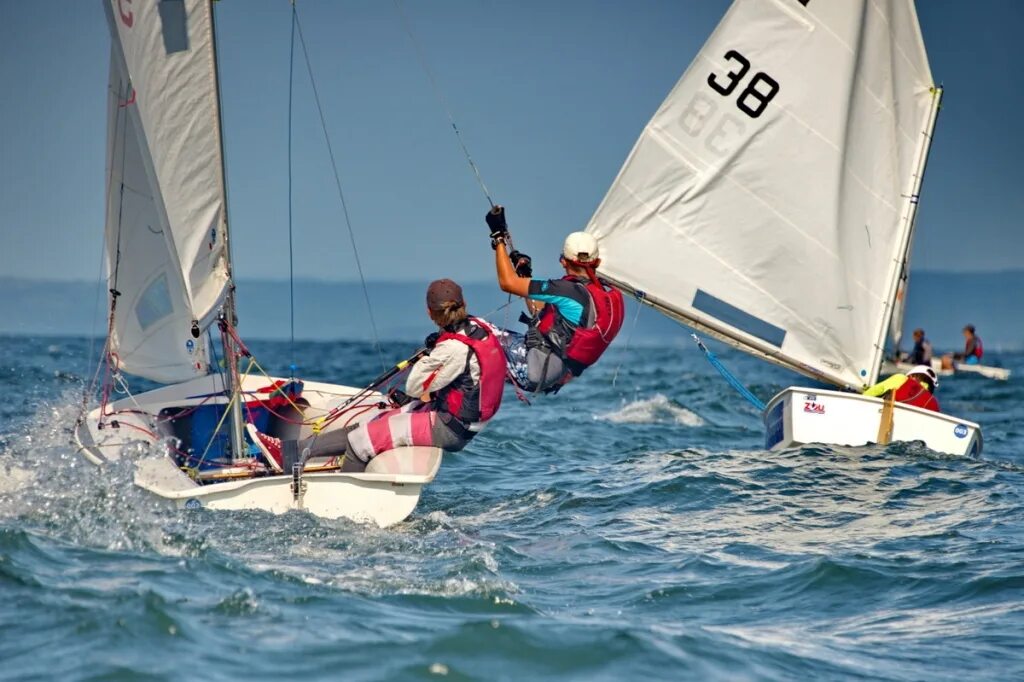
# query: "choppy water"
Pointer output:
{"type": "Point", "coordinates": [612, 532]}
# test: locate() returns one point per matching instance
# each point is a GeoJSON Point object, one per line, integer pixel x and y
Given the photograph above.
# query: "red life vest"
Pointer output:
{"type": "Point", "coordinates": [585, 344]}
{"type": "Point", "coordinates": [467, 400]}
{"type": "Point", "coordinates": [978, 350]}
{"type": "Point", "coordinates": [913, 393]}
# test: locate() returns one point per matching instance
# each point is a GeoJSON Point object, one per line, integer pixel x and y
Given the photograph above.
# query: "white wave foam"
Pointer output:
{"type": "Point", "coordinates": [657, 409]}
{"type": "Point", "coordinates": [14, 478]}
{"type": "Point", "coordinates": [49, 485]}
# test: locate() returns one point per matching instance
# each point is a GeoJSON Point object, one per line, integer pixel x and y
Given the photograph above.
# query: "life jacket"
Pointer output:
{"type": "Point", "coordinates": [912, 392]}
{"type": "Point", "coordinates": [978, 349]}
{"type": "Point", "coordinates": [471, 401]}
{"type": "Point", "coordinates": [580, 346]}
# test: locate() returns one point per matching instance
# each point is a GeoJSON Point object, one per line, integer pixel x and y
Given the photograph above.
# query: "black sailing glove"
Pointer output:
{"type": "Point", "coordinates": [431, 340]}
{"type": "Point", "coordinates": [522, 263]}
{"type": "Point", "coordinates": [399, 397]}
{"type": "Point", "coordinates": [499, 228]}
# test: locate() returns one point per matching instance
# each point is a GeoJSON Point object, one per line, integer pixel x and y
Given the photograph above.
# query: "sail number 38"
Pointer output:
{"type": "Point", "coordinates": [758, 93]}
{"type": "Point", "coordinates": [721, 132]}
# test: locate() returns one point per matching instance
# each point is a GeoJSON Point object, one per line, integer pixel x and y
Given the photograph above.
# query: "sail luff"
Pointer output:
{"type": "Point", "coordinates": [219, 128]}
{"type": "Point", "coordinates": [898, 298]}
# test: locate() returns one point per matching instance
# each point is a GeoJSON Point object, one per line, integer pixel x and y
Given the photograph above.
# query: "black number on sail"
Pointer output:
{"type": "Point", "coordinates": [734, 76]}
{"type": "Point", "coordinates": [762, 98]}
{"type": "Point", "coordinates": [751, 92]}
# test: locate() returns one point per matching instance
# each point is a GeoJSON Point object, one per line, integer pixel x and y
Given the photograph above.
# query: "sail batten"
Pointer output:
{"type": "Point", "coordinates": [166, 208]}
{"type": "Point", "coordinates": [767, 199]}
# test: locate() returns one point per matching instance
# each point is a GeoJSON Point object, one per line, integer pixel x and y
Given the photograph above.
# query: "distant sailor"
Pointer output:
{"type": "Point", "coordinates": [450, 393]}
{"type": "Point", "coordinates": [973, 350]}
{"type": "Point", "coordinates": [914, 388]}
{"type": "Point", "coordinates": [574, 318]}
{"type": "Point", "coordinates": [922, 352]}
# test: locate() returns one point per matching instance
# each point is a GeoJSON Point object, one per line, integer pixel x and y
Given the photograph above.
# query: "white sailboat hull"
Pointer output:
{"type": "Point", "coordinates": [381, 498]}
{"type": "Point", "coordinates": [987, 371]}
{"type": "Point", "coordinates": [797, 416]}
{"type": "Point", "coordinates": [385, 494]}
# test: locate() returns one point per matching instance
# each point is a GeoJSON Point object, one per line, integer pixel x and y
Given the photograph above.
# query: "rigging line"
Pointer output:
{"type": "Point", "coordinates": [291, 257]}
{"type": "Point", "coordinates": [728, 376]}
{"type": "Point", "coordinates": [218, 370]}
{"type": "Point", "coordinates": [341, 194]}
{"type": "Point", "coordinates": [89, 388]}
{"type": "Point", "coordinates": [629, 338]}
{"type": "Point", "coordinates": [421, 55]}
{"type": "Point", "coordinates": [500, 307]}
{"type": "Point", "coordinates": [120, 213]}
{"type": "Point", "coordinates": [108, 353]}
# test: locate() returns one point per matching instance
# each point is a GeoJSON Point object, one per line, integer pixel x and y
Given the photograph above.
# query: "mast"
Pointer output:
{"type": "Point", "coordinates": [228, 314]}
{"type": "Point", "coordinates": [914, 201]}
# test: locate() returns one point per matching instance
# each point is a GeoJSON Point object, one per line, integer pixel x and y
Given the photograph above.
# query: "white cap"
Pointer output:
{"type": "Point", "coordinates": [926, 371]}
{"type": "Point", "coordinates": [580, 247]}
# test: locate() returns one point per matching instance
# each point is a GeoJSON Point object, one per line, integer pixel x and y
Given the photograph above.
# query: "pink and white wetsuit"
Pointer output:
{"type": "Point", "coordinates": [465, 374]}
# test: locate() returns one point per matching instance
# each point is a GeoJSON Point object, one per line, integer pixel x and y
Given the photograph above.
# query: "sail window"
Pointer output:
{"type": "Point", "coordinates": [154, 304]}
{"type": "Point", "coordinates": [742, 320]}
{"type": "Point", "coordinates": [174, 25]}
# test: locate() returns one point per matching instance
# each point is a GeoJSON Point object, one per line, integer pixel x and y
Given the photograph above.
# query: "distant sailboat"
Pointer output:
{"type": "Point", "coordinates": [895, 364]}
{"type": "Point", "coordinates": [170, 281]}
{"type": "Point", "coordinates": [770, 203]}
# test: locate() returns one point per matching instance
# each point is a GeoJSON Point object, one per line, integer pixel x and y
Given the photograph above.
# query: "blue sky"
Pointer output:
{"type": "Point", "coordinates": [550, 97]}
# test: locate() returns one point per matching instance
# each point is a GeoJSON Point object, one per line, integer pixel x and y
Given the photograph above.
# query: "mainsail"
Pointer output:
{"type": "Point", "coordinates": [166, 228]}
{"type": "Point", "coordinates": [770, 199]}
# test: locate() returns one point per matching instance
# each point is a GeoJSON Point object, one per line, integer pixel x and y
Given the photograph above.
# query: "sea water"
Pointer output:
{"type": "Point", "coordinates": [631, 527]}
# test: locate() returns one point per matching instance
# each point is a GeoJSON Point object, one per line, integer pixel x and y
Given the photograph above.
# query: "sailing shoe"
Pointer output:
{"type": "Point", "coordinates": [268, 445]}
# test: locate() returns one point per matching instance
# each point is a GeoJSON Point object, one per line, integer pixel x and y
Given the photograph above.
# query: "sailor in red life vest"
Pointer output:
{"type": "Point", "coordinates": [973, 350]}
{"type": "Point", "coordinates": [450, 393]}
{"type": "Point", "coordinates": [574, 318]}
{"type": "Point", "coordinates": [914, 388]}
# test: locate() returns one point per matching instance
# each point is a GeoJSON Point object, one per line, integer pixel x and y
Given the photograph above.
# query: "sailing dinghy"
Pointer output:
{"type": "Point", "coordinates": [770, 203]}
{"type": "Point", "coordinates": [987, 371]}
{"type": "Point", "coordinates": [170, 282]}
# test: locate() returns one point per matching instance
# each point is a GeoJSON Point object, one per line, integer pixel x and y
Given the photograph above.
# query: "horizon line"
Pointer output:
{"type": "Point", "coordinates": [319, 280]}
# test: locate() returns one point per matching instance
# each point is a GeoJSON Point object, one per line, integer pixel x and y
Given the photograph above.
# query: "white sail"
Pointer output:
{"type": "Point", "coordinates": [166, 226]}
{"type": "Point", "coordinates": [769, 201]}
{"type": "Point", "coordinates": [899, 310]}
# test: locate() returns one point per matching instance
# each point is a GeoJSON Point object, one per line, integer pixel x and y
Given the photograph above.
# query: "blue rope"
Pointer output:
{"type": "Point", "coordinates": [727, 375]}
